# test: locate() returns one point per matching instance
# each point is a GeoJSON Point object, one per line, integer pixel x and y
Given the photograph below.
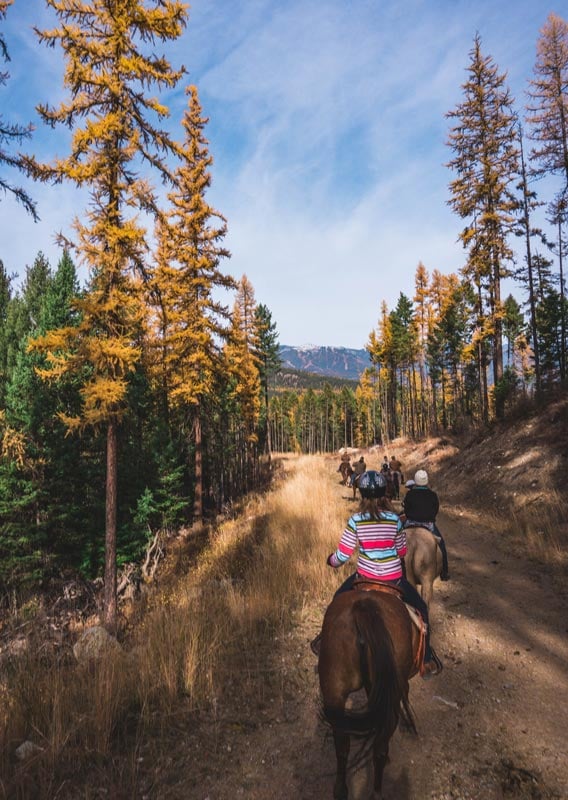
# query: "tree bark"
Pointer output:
{"type": "Point", "coordinates": [110, 594]}
{"type": "Point", "coordinates": [198, 496]}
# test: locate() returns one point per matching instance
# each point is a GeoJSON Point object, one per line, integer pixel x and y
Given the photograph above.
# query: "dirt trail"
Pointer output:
{"type": "Point", "coordinates": [492, 725]}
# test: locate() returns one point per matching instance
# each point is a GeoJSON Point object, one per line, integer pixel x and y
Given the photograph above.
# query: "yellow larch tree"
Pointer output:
{"type": "Point", "coordinates": [110, 65]}
{"type": "Point", "coordinates": [421, 299]}
{"type": "Point", "coordinates": [191, 322]}
{"type": "Point", "coordinates": [244, 374]}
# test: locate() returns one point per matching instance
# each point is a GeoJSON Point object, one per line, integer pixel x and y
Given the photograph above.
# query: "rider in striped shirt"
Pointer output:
{"type": "Point", "coordinates": [377, 532]}
{"type": "Point", "coordinates": [382, 544]}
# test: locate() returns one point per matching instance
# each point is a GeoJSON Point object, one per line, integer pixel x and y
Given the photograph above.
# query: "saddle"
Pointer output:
{"type": "Point", "coordinates": [368, 585]}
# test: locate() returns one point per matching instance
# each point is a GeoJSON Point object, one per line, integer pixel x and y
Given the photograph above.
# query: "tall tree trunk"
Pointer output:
{"type": "Point", "coordinates": [532, 302]}
{"type": "Point", "coordinates": [110, 598]}
{"type": "Point", "coordinates": [562, 308]}
{"type": "Point", "coordinates": [497, 338]}
{"type": "Point", "coordinates": [198, 441]}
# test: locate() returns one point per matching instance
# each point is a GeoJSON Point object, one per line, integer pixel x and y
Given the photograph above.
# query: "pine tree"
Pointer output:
{"type": "Point", "coordinates": [547, 110]}
{"type": "Point", "coordinates": [486, 164]}
{"type": "Point", "coordinates": [527, 204]}
{"type": "Point", "coordinates": [5, 297]}
{"type": "Point", "coordinates": [421, 301]}
{"type": "Point", "coordinates": [12, 133]}
{"type": "Point", "coordinates": [108, 72]}
{"type": "Point", "coordinates": [547, 116]}
{"type": "Point", "coordinates": [191, 321]}
{"type": "Point", "coordinates": [42, 481]}
{"type": "Point", "coordinates": [267, 352]}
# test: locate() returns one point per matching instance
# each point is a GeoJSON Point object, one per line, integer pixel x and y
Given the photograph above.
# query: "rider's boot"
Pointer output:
{"type": "Point", "coordinates": [433, 666]}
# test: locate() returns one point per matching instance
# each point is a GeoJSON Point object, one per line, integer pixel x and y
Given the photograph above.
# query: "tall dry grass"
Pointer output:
{"type": "Point", "coordinates": [541, 530]}
{"type": "Point", "coordinates": [208, 632]}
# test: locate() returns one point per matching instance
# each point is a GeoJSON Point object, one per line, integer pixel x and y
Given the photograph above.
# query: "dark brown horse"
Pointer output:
{"type": "Point", "coordinates": [368, 642]}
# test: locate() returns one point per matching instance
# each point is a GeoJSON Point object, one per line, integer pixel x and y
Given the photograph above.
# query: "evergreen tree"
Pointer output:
{"type": "Point", "coordinates": [421, 302]}
{"type": "Point", "coordinates": [513, 326]}
{"type": "Point", "coordinates": [486, 164]}
{"type": "Point", "coordinates": [526, 274]}
{"type": "Point", "coordinates": [5, 297]}
{"type": "Point", "coordinates": [40, 483]}
{"type": "Point", "coordinates": [547, 110]}
{"type": "Point", "coordinates": [547, 116]}
{"type": "Point", "coordinates": [267, 352]}
{"type": "Point", "coordinates": [108, 72]}
{"type": "Point", "coordinates": [12, 133]}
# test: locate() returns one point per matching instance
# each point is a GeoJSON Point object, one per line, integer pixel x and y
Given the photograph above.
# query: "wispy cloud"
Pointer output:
{"type": "Point", "coordinates": [328, 132]}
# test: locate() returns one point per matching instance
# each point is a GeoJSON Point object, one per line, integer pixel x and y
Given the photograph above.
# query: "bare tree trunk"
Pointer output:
{"type": "Point", "coordinates": [198, 495]}
{"type": "Point", "coordinates": [562, 309]}
{"type": "Point", "coordinates": [110, 595]}
{"type": "Point", "coordinates": [497, 338]}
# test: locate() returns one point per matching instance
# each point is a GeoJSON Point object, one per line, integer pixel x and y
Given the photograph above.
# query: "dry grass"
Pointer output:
{"type": "Point", "coordinates": [202, 635]}
{"type": "Point", "coordinates": [541, 531]}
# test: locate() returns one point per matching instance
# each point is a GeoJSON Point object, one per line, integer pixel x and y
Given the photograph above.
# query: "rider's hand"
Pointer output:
{"type": "Point", "coordinates": [330, 556]}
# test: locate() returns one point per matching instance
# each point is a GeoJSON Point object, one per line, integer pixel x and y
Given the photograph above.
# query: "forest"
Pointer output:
{"type": "Point", "coordinates": [140, 404]}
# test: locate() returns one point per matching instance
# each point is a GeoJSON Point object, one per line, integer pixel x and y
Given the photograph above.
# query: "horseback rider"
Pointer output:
{"type": "Point", "coordinates": [379, 535]}
{"type": "Point", "coordinates": [358, 469]}
{"type": "Point", "coordinates": [395, 468]}
{"type": "Point", "coordinates": [420, 507]}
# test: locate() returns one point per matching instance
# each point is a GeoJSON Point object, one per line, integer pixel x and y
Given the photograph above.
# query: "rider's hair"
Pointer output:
{"type": "Point", "coordinates": [375, 505]}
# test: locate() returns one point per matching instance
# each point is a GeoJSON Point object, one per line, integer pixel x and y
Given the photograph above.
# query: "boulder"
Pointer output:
{"type": "Point", "coordinates": [95, 643]}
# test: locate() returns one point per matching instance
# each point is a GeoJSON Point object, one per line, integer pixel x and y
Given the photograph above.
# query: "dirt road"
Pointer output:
{"type": "Point", "coordinates": [493, 725]}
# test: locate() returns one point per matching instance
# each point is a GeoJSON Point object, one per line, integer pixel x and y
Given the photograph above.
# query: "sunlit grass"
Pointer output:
{"type": "Point", "coordinates": [541, 530]}
{"type": "Point", "coordinates": [212, 626]}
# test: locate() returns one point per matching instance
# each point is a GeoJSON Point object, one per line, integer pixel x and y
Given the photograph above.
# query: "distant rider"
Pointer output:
{"type": "Point", "coordinates": [358, 469]}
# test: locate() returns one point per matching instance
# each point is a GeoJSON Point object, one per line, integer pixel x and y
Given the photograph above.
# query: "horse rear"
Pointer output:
{"type": "Point", "coordinates": [368, 642]}
{"type": "Point", "coordinates": [423, 561]}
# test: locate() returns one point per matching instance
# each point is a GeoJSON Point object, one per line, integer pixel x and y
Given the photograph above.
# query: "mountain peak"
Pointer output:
{"type": "Point", "coordinates": [337, 362]}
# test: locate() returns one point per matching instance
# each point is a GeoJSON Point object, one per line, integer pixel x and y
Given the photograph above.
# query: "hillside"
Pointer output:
{"type": "Point", "coordinates": [297, 379]}
{"type": "Point", "coordinates": [515, 464]}
{"type": "Point", "coordinates": [338, 362]}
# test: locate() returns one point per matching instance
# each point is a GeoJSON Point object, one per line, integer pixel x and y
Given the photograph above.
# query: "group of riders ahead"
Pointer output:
{"type": "Point", "coordinates": [390, 468]}
{"type": "Point", "coordinates": [378, 534]}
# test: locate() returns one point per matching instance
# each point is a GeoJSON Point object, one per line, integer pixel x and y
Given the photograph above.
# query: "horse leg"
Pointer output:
{"type": "Point", "coordinates": [380, 758]}
{"type": "Point", "coordinates": [341, 741]}
{"type": "Point", "coordinates": [427, 589]}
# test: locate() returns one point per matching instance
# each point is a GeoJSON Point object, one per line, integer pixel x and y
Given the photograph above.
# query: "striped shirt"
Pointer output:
{"type": "Point", "coordinates": [382, 543]}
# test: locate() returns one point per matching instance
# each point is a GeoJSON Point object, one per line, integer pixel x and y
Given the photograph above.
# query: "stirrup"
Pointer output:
{"type": "Point", "coordinates": [432, 667]}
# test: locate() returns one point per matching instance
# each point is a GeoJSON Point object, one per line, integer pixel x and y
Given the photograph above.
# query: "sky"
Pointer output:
{"type": "Point", "coordinates": [328, 133]}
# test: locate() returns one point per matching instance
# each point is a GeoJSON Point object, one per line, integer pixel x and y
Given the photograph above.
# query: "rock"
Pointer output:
{"type": "Point", "coordinates": [94, 643]}
{"type": "Point", "coordinates": [26, 750]}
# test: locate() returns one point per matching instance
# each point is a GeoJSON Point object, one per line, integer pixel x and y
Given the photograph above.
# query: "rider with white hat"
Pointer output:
{"type": "Point", "coordinates": [421, 505]}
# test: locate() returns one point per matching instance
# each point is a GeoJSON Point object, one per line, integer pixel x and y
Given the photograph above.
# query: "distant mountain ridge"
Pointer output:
{"type": "Point", "coordinates": [337, 362]}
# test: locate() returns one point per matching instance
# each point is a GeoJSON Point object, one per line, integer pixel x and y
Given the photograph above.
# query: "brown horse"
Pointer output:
{"type": "Point", "coordinates": [423, 561]}
{"type": "Point", "coordinates": [346, 471]}
{"type": "Point", "coordinates": [368, 642]}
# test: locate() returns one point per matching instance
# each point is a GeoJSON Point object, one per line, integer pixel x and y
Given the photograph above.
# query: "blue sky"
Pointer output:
{"type": "Point", "coordinates": [328, 132]}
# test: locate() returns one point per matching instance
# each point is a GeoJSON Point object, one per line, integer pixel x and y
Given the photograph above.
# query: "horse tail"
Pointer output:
{"type": "Point", "coordinates": [386, 700]}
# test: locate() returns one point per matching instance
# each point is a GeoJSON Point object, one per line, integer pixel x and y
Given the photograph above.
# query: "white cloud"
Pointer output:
{"type": "Point", "coordinates": [328, 131]}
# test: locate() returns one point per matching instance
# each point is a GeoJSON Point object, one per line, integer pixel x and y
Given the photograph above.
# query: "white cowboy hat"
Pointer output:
{"type": "Point", "coordinates": [421, 478]}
